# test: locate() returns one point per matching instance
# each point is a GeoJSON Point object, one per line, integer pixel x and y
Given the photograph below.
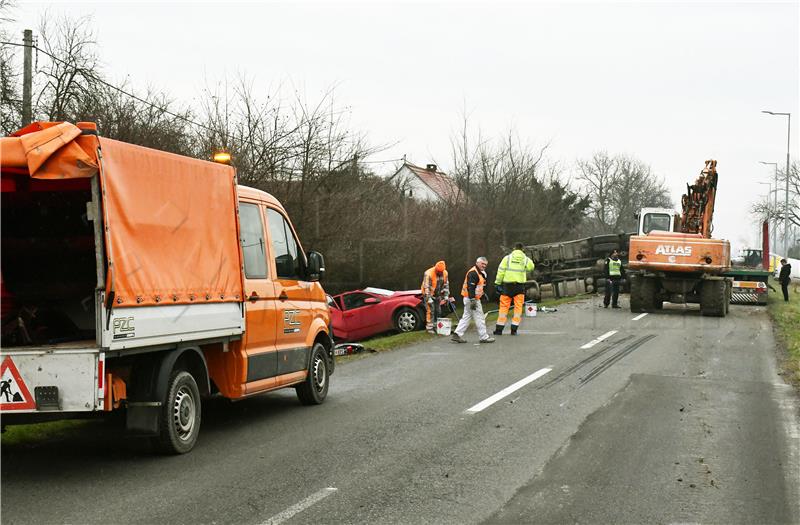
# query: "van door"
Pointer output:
{"type": "Point", "coordinates": [293, 295]}
{"type": "Point", "coordinates": [259, 301]}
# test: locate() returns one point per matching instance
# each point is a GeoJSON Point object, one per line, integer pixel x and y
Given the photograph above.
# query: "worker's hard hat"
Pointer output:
{"type": "Point", "coordinates": [440, 267]}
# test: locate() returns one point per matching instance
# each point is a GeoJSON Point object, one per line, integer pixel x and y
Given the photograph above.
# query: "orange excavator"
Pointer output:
{"type": "Point", "coordinates": [673, 258]}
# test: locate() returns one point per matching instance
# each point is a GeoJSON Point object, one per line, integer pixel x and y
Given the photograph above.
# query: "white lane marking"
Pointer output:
{"type": "Point", "coordinates": [508, 390]}
{"type": "Point", "coordinates": [599, 339]}
{"type": "Point", "coordinates": [639, 317]}
{"type": "Point", "coordinates": [300, 507]}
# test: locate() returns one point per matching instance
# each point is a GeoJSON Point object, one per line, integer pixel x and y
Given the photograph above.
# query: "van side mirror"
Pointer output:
{"type": "Point", "coordinates": [316, 266]}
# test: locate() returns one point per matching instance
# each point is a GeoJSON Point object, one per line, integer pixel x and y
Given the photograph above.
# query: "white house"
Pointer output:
{"type": "Point", "coordinates": [426, 184]}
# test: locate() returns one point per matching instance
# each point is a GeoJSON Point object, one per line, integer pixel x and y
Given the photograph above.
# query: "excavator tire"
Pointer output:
{"type": "Point", "coordinates": [714, 299]}
{"type": "Point", "coordinates": [647, 292]}
{"type": "Point", "coordinates": [636, 298]}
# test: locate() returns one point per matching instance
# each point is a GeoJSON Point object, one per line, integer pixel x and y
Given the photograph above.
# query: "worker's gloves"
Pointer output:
{"type": "Point", "coordinates": [473, 304]}
{"type": "Point", "coordinates": [429, 300]}
{"type": "Point", "coordinates": [499, 288]}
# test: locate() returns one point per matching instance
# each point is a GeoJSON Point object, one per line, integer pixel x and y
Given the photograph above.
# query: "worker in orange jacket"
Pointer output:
{"type": "Point", "coordinates": [435, 287]}
{"type": "Point", "coordinates": [472, 292]}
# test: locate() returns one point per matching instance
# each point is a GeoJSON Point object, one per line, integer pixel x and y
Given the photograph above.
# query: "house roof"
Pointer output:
{"type": "Point", "coordinates": [442, 185]}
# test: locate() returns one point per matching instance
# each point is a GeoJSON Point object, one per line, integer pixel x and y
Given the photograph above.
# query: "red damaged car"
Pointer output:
{"type": "Point", "coordinates": [363, 313]}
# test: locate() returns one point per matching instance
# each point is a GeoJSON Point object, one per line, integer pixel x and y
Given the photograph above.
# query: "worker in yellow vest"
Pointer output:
{"type": "Point", "coordinates": [435, 287]}
{"type": "Point", "coordinates": [472, 291]}
{"type": "Point", "coordinates": [510, 281]}
{"type": "Point", "coordinates": [614, 274]}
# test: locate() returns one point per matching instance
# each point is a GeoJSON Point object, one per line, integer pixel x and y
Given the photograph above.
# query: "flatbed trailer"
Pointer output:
{"type": "Point", "coordinates": [749, 286]}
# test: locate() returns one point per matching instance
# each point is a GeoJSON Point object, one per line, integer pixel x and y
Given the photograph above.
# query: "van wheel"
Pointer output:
{"type": "Point", "coordinates": [314, 389]}
{"type": "Point", "coordinates": [179, 423]}
{"type": "Point", "coordinates": [407, 320]}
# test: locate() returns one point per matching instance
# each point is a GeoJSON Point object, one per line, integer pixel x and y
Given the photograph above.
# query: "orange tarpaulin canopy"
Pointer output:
{"type": "Point", "coordinates": [56, 151]}
{"type": "Point", "coordinates": [171, 224]}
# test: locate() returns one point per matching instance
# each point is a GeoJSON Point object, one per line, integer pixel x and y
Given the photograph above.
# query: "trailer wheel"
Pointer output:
{"type": "Point", "coordinates": [713, 298]}
{"type": "Point", "coordinates": [179, 423]}
{"type": "Point", "coordinates": [314, 389]}
{"type": "Point", "coordinates": [636, 295]}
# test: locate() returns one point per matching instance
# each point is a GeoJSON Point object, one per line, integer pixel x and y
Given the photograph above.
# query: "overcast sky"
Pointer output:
{"type": "Point", "coordinates": [670, 83]}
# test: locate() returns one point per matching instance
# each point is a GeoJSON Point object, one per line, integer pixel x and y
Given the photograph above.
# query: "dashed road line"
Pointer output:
{"type": "Point", "coordinates": [507, 391]}
{"type": "Point", "coordinates": [639, 317]}
{"type": "Point", "coordinates": [301, 506]}
{"type": "Point", "coordinates": [598, 340]}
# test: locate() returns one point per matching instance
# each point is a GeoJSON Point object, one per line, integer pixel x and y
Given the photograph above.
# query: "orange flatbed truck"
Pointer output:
{"type": "Point", "coordinates": [143, 281]}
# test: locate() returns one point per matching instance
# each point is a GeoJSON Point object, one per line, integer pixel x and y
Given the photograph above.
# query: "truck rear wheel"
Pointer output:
{"type": "Point", "coordinates": [714, 298]}
{"type": "Point", "coordinates": [179, 423]}
{"type": "Point", "coordinates": [314, 389]}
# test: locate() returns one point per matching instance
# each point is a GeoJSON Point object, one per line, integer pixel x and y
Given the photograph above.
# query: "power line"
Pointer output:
{"type": "Point", "coordinates": [164, 110]}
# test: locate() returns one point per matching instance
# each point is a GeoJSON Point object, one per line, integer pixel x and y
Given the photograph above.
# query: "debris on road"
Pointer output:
{"type": "Point", "coordinates": [349, 348]}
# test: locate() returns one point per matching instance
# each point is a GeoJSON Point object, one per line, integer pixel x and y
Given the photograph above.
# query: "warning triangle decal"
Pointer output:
{"type": "Point", "coordinates": [14, 393]}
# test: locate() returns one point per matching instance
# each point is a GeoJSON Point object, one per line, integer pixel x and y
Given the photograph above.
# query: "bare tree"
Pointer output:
{"type": "Point", "coordinates": [10, 100]}
{"type": "Point", "coordinates": [599, 175]}
{"type": "Point", "coordinates": [766, 208]}
{"type": "Point", "coordinates": [619, 187]}
{"type": "Point", "coordinates": [72, 69]}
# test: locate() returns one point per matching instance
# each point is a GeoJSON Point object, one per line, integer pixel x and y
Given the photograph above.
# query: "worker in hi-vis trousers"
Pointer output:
{"type": "Point", "coordinates": [472, 291]}
{"type": "Point", "coordinates": [510, 282]}
{"type": "Point", "coordinates": [435, 287]}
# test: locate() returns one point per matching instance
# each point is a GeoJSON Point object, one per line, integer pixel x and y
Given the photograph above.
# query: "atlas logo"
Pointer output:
{"type": "Point", "coordinates": [668, 249]}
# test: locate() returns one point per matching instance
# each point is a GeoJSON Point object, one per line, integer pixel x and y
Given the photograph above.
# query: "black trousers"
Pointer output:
{"type": "Point", "coordinates": [612, 292]}
{"type": "Point", "coordinates": [785, 289]}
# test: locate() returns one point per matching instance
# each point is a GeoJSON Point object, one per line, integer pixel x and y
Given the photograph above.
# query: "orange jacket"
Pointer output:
{"type": "Point", "coordinates": [433, 284]}
{"type": "Point", "coordinates": [478, 285]}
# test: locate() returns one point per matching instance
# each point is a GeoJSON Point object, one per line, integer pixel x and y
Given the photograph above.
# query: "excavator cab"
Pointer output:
{"type": "Point", "coordinates": [656, 219]}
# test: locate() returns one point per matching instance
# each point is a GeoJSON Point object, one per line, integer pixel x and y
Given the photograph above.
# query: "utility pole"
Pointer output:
{"type": "Point", "coordinates": [27, 77]}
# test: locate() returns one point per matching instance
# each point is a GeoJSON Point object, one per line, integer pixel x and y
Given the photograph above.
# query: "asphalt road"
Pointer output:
{"type": "Point", "coordinates": [673, 418]}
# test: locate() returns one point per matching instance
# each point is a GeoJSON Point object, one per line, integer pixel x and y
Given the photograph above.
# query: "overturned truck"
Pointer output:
{"type": "Point", "coordinates": [573, 267]}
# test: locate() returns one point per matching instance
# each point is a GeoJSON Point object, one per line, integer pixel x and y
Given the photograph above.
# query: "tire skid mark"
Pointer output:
{"type": "Point", "coordinates": [582, 362]}
{"type": "Point", "coordinates": [605, 365]}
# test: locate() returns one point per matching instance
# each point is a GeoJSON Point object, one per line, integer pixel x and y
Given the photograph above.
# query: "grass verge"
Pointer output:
{"type": "Point", "coordinates": [786, 319]}
{"type": "Point", "coordinates": [382, 343]}
{"type": "Point", "coordinates": [37, 432]}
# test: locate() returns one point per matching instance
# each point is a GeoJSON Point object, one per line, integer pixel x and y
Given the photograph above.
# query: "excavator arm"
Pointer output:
{"type": "Point", "coordinates": [698, 202]}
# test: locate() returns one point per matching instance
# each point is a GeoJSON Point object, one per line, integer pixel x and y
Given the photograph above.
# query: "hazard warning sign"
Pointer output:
{"type": "Point", "coordinates": [14, 394]}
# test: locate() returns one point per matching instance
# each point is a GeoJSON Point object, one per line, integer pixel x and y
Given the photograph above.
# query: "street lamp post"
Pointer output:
{"type": "Point", "coordinates": [775, 208]}
{"type": "Point", "coordinates": [769, 213]}
{"type": "Point", "coordinates": [786, 212]}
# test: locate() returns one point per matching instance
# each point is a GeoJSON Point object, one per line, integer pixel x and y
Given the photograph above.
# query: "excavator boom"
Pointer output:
{"type": "Point", "coordinates": [698, 202]}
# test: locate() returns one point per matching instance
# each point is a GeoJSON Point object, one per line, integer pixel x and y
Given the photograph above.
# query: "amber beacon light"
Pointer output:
{"type": "Point", "coordinates": [222, 156]}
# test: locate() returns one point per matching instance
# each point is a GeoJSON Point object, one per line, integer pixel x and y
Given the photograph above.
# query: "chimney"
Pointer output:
{"type": "Point", "coordinates": [431, 167]}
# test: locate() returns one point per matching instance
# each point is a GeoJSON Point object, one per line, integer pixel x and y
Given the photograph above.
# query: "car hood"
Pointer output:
{"type": "Point", "coordinates": [408, 292]}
